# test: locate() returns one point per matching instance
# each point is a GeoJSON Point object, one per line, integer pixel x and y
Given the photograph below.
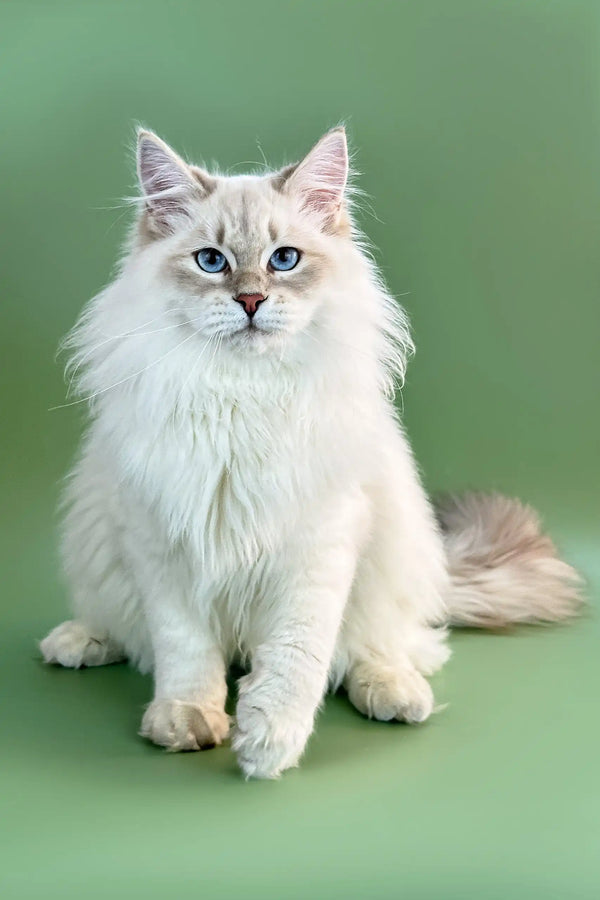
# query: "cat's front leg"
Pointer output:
{"type": "Point", "coordinates": [295, 630]}
{"type": "Point", "coordinates": [188, 709]}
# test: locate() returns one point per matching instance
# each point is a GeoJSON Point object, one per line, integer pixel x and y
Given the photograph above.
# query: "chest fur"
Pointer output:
{"type": "Point", "coordinates": [230, 480]}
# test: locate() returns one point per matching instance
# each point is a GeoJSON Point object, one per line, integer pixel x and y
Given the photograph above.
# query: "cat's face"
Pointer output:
{"type": "Point", "coordinates": [249, 259]}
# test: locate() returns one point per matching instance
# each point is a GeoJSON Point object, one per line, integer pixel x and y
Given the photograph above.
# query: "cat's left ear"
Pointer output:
{"type": "Point", "coordinates": [320, 179]}
{"type": "Point", "coordinates": [169, 185]}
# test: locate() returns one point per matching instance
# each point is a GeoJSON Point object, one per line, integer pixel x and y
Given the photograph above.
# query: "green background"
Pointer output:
{"type": "Point", "coordinates": [477, 128]}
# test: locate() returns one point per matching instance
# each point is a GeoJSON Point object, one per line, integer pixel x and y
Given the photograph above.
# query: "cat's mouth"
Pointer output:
{"type": "Point", "coordinates": [253, 335]}
{"type": "Point", "coordinates": [252, 329]}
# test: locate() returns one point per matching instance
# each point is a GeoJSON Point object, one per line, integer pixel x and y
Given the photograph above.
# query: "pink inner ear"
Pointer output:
{"type": "Point", "coordinates": [165, 180]}
{"type": "Point", "coordinates": [321, 177]}
{"type": "Point", "coordinates": [158, 170]}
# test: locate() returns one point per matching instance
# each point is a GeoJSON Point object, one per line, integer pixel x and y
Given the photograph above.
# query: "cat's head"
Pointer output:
{"type": "Point", "coordinates": [250, 258]}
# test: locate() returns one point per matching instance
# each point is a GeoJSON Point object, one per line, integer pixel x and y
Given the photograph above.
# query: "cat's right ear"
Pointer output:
{"type": "Point", "coordinates": [168, 184]}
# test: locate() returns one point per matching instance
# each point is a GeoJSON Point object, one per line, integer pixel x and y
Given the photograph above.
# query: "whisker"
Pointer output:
{"type": "Point", "coordinates": [340, 343]}
{"type": "Point", "coordinates": [117, 337]}
{"type": "Point", "coordinates": [68, 340]}
{"type": "Point", "coordinates": [116, 221]}
{"type": "Point", "coordinates": [123, 380]}
{"type": "Point", "coordinates": [248, 162]}
{"type": "Point", "coordinates": [192, 372]}
{"type": "Point", "coordinates": [397, 385]}
{"type": "Point", "coordinates": [218, 342]}
{"type": "Point", "coordinates": [262, 153]}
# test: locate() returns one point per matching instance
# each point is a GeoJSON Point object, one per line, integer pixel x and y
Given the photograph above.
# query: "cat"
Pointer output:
{"type": "Point", "coordinates": [245, 491]}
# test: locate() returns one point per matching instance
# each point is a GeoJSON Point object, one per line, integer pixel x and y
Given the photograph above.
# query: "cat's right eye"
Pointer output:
{"type": "Point", "coordinates": [211, 260]}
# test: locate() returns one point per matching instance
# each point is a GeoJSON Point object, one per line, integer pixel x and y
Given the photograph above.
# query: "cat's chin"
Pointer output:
{"type": "Point", "coordinates": [255, 339]}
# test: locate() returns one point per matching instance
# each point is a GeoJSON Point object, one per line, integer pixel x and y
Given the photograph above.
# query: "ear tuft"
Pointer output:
{"type": "Point", "coordinates": [320, 179]}
{"type": "Point", "coordinates": [166, 181]}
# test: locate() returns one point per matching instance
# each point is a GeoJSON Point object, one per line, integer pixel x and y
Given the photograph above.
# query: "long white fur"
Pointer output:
{"type": "Point", "coordinates": [250, 499]}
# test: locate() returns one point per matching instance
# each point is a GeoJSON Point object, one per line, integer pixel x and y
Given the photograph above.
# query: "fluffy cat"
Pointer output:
{"type": "Point", "coordinates": [245, 491]}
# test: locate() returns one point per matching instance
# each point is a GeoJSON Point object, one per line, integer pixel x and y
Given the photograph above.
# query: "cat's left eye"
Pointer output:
{"type": "Point", "coordinates": [284, 259]}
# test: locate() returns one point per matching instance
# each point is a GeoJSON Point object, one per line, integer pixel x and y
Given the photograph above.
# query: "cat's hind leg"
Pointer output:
{"type": "Point", "coordinates": [108, 623]}
{"type": "Point", "coordinates": [74, 644]}
{"type": "Point", "coordinates": [387, 645]}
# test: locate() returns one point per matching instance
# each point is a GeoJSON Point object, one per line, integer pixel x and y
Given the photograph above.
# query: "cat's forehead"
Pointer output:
{"type": "Point", "coordinates": [247, 209]}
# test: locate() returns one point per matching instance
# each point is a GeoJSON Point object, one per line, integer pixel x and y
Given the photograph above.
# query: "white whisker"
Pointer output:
{"type": "Point", "coordinates": [191, 373]}
{"type": "Point", "coordinates": [134, 332]}
{"type": "Point", "coordinates": [123, 380]}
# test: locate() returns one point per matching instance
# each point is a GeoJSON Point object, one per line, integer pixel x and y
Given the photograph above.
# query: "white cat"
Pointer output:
{"type": "Point", "coordinates": [245, 491]}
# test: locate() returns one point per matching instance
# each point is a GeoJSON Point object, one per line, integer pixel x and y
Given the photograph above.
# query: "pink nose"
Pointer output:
{"type": "Point", "coordinates": [250, 302]}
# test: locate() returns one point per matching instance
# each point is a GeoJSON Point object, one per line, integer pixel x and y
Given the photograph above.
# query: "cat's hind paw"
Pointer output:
{"type": "Point", "coordinates": [386, 692]}
{"type": "Point", "coordinates": [72, 644]}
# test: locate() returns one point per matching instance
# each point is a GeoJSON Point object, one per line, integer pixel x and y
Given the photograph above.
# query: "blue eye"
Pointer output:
{"type": "Point", "coordinates": [284, 259]}
{"type": "Point", "coordinates": [211, 260]}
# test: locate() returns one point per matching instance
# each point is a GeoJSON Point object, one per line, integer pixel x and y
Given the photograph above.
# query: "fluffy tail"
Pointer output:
{"type": "Point", "coordinates": [503, 568]}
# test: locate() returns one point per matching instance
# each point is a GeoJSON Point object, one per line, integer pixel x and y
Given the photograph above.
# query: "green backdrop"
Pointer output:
{"type": "Point", "coordinates": [477, 127]}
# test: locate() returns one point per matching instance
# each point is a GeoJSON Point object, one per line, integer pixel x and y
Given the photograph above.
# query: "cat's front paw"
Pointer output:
{"type": "Point", "coordinates": [268, 739]}
{"type": "Point", "coordinates": [178, 725]}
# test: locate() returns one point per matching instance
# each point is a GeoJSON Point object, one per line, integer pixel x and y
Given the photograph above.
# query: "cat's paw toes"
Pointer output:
{"type": "Point", "coordinates": [72, 644]}
{"type": "Point", "coordinates": [386, 693]}
{"type": "Point", "coordinates": [178, 725]}
{"type": "Point", "coordinates": [267, 743]}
